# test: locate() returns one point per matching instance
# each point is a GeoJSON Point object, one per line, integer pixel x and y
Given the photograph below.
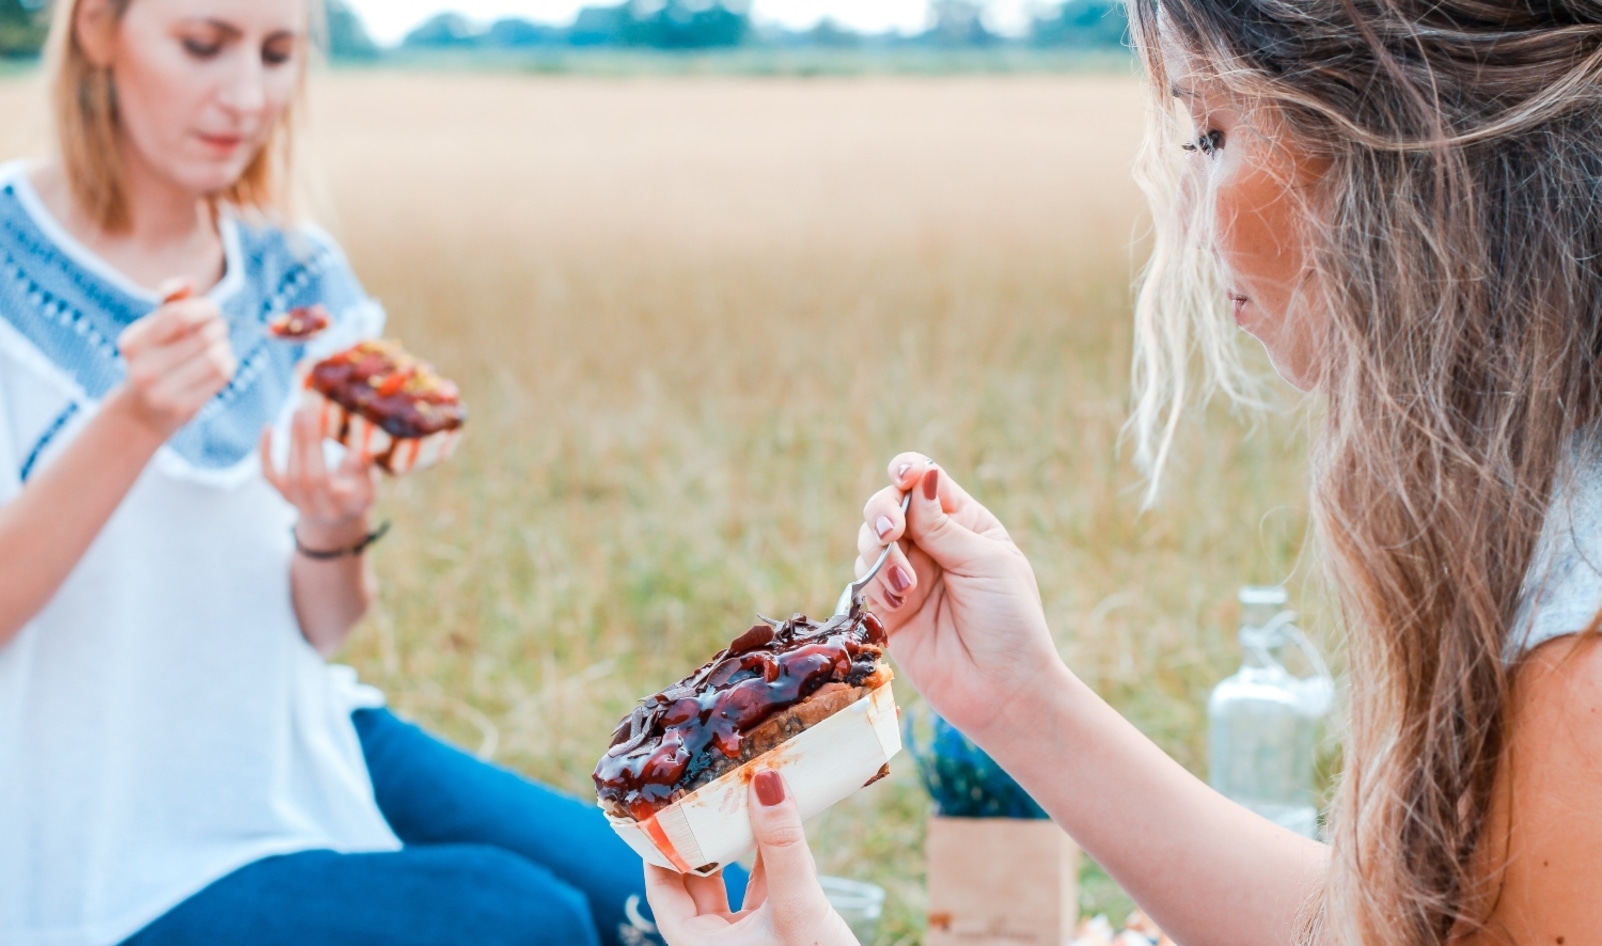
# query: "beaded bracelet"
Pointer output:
{"type": "Point", "coordinates": [329, 556]}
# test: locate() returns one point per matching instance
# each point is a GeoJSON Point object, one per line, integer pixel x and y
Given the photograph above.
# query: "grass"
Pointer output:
{"type": "Point", "coordinates": [694, 318]}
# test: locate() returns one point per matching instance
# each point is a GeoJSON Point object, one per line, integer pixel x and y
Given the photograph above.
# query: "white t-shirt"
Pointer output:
{"type": "Point", "coordinates": [163, 721]}
{"type": "Point", "coordinates": [1563, 589]}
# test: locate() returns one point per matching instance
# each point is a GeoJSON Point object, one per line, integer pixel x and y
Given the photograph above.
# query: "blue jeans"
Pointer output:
{"type": "Point", "coordinates": [490, 859]}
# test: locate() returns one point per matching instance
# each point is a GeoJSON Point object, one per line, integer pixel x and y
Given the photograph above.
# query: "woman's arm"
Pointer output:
{"type": "Point", "coordinates": [335, 505]}
{"type": "Point", "coordinates": [968, 630]}
{"type": "Point", "coordinates": [178, 359]}
{"type": "Point", "coordinates": [1204, 868]}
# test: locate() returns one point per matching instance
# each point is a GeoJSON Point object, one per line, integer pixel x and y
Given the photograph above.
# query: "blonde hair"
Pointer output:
{"type": "Point", "coordinates": [85, 119]}
{"type": "Point", "coordinates": [1456, 258]}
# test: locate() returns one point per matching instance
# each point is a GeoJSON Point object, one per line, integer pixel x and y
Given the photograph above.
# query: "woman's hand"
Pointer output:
{"type": "Point", "coordinates": [959, 598]}
{"type": "Point", "coordinates": [178, 358]}
{"type": "Point", "coordinates": [334, 502]}
{"type": "Point", "coordinates": [784, 904]}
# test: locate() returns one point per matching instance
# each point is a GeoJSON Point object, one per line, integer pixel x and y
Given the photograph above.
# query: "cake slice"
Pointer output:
{"type": "Point", "coordinates": [774, 682]}
{"type": "Point", "coordinates": [392, 408]}
{"type": "Point", "coordinates": [300, 325]}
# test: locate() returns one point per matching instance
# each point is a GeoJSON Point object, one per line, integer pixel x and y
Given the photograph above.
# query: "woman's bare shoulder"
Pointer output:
{"type": "Point", "coordinates": [1546, 825]}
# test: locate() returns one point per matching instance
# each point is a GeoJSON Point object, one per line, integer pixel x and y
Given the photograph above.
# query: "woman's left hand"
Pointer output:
{"type": "Point", "coordinates": [334, 502]}
{"type": "Point", "coordinates": [784, 904]}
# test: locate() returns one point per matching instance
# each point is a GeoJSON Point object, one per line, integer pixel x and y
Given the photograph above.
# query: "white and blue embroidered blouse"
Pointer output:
{"type": "Point", "coordinates": [163, 720]}
{"type": "Point", "coordinates": [60, 301]}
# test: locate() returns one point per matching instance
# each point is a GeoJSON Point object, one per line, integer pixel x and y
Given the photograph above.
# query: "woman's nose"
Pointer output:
{"type": "Point", "coordinates": [244, 91]}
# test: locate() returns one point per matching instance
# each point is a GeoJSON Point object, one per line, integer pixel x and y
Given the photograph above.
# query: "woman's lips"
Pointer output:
{"type": "Point", "coordinates": [1238, 304]}
{"type": "Point", "coordinates": [225, 144]}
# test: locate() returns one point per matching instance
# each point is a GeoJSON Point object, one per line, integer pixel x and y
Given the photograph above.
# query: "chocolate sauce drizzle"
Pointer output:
{"type": "Point", "coordinates": [697, 726]}
{"type": "Point", "coordinates": [379, 381]}
{"type": "Point", "coordinates": [302, 324]}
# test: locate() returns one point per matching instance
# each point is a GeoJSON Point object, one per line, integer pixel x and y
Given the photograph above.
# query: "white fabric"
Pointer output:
{"type": "Point", "coordinates": [163, 721]}
{"type": "Point", "coordinates": [1563, 591]}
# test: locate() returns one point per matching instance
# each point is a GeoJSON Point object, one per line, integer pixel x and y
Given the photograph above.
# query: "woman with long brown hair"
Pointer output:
{"type": "Point", "coordinates": [1399, 199]}
{"type": "Point", "coordinates": [178, 762]}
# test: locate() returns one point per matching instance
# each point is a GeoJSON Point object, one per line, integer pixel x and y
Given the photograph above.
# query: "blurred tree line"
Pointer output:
{"type": "Point", "coordinates": [711, 24]}
{"type": "Point", "coordinates": [24, 23]}
{"type": "Point", "coordinates": [22, 28]}
{"type": "Point", "coordinates": [661, 24]}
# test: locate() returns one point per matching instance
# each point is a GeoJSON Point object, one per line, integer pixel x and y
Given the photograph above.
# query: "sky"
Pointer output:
{"type": "Point", "coordinates": [389, 20]}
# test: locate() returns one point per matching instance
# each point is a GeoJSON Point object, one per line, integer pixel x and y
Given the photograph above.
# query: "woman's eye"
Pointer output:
{"type": "Point", "coordinates": [201, 49]}
{"type": "Point", "coordinates": [276, 57]}
{"type": "Point", "coordinates": [1207, 144]}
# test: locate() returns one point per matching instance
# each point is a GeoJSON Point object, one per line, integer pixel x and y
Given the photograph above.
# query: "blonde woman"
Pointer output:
{"type": "Point", "coordinates": [1399, 199]}
{"type": "Point", "coordinates": [178, 765]}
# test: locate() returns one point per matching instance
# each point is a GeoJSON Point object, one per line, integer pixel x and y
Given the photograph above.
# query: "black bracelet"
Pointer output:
{"type": "Point", "coordinates": [357, 549]}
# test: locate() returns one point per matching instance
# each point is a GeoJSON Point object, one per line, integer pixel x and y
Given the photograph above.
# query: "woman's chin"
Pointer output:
{"type": "Point", "coordinates": [1295, 368]}
{"type": "Point", "coordinates": [1299, 373]}
{"type": "Point", "coordinates": [213, 178]}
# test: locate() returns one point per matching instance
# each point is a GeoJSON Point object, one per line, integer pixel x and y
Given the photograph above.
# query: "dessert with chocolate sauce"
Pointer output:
{"type": "Point", "coordinates": [300, 325]}
{"type": "Point", "coordinates": [393, 408]}
{"type": "Point", "coordinates": [772, 683]}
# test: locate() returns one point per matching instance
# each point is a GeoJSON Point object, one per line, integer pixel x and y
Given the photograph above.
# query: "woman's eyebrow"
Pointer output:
{"type": "Point", "coordinates": [222, 26]}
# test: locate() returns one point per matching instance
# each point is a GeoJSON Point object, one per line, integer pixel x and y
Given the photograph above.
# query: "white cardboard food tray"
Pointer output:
{"type": "Point", "coordinates": [372, 441]}
{"type": "Point", "coordinates": [711, 826]}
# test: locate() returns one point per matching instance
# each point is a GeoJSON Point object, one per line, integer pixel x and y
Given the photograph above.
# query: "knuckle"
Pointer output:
{"type": "Point", "coordinates": [784, 836]}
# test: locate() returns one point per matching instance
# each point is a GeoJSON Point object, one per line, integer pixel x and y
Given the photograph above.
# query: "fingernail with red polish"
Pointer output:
{"type": "Point", "coordinates": [899, 579]}
{"type": "Point", "coordinates": [931, 483]}
{"type": "Point", "coordinates": [769, 788]}
{"type": "Point", "coordinates": [882, 526]}
{"type": "Point", "coordinates": [894, 600]}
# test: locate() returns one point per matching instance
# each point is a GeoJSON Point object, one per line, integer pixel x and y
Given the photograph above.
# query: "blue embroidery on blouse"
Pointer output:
{"type": "Point", "coordinates": [45, 439]}
{"type": "Point", "coordinates": [74, 316]}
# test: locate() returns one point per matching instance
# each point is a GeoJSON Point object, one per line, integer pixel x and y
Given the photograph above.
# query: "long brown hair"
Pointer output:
{"type": "Point", "coordinates": [1458, 260]}
{"type": "Point", "coordinates": [85, 118]}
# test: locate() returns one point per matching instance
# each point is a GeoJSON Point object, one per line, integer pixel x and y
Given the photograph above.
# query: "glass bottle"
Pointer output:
{"type": "Point", "coordinates": [1264, 721]}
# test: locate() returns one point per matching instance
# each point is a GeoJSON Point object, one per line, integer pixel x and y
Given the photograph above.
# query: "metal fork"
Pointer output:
{"type": "Point", "coordinates": [849, 595]}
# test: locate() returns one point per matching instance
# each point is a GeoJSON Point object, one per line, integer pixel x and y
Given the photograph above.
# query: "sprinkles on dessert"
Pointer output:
{"type": "Point", "coordinates": [387, 404]}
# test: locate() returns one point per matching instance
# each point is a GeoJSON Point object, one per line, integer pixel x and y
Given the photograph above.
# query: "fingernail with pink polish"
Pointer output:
{"type": "Point", "coordinates": [899, 579]}
{"type": "Point", "coordinates": [894, 600]}
{"type": "Point", "coordinates": [882, 526]}
{"type": "Point", "coordinates": [902, 472]}
{"type": "Point", "coordinates": [769, 788]}
{"type": "Point", "coordinates": [931, 483]}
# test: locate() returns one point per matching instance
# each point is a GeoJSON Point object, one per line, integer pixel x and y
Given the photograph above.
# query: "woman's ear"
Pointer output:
{"type": "Point", "coordinates": [95, 26]}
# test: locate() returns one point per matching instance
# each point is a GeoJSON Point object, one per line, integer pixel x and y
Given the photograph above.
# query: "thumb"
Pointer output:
{"type": "Point", "coordinates": [795, 898]}
{"type": "Point", "coordinates": [176, 289]}
{"type": "Point", "coordinates": [932, 528]}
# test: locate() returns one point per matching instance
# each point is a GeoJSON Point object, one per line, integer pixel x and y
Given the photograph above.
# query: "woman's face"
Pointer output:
{"type": "Point", "coordinates": [1259, 189]}
{"type": "Point", "coordinates": [200, 84]}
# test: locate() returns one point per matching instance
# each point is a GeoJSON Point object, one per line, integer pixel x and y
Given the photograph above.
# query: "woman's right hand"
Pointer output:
{"type": "Point", "coordinates": [958, 598]}
{"type": "Point", "coordinates": [178, 359]}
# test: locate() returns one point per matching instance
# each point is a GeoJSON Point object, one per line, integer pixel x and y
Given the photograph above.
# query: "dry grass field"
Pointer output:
{"type": "Point", "coordinates": [695, 318]}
